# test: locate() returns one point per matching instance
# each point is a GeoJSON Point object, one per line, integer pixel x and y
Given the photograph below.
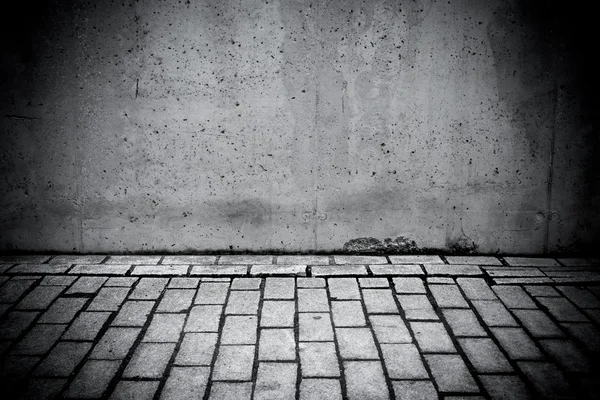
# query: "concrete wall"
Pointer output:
{"type": "Point", "coordinates": [297, 125]}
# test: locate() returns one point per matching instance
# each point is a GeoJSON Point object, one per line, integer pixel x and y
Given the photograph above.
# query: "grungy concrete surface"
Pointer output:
{"type": "Point", "coordinates": [297, 125]}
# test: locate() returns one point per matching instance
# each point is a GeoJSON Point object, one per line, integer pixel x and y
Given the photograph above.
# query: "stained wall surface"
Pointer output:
{"type": "Point", "coordinates": [296, 125]}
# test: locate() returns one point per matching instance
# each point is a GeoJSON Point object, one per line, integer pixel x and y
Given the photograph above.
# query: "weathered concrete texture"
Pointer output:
{"type": "Point", "coordinates": [295, 125]}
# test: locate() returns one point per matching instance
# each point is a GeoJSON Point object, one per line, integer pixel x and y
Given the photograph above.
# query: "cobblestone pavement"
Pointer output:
{"type": "Point", "coordinates": [298, 327]}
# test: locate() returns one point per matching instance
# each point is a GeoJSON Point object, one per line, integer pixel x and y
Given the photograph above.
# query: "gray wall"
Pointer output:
{"type": "Point", "coordinates": [297, 125]}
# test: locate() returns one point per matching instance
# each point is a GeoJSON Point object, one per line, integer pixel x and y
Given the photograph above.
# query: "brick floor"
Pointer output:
{"type": "Point", "coordinates": [243, 327]}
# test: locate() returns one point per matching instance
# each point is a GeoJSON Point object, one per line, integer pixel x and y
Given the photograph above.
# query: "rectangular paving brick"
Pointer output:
{"type": "Point", "coordinates": [582, 298]}
{"type": "Point", "coordinates": [403, 361]}
{"type": "Point", "coordinates": [40, 269]}
{"type": "Point", "coordinates": [562, 309]}
{"type": "Point", "coordinates": [87, 284]}
{"type": "Point", "coordinates": [476, 289]}
{"type": "Point", "coordinates": [303, 260]}
{"type": "Point", "coordinates": [275, 270]}
{"type": "Point", "coordinates": [410, 259]}
{"type": "Point", "coordinates": [101, 269]}
{"type": "Point", "coordinates": [277, 314]}
{"type": "Point", "coordinates": [312, 300]}
{"type": "Point", "coordinates": [246, 283]}
{"type": "Point", "coordinates": [374, 283]}
{"type": "Point", "coordinates": [542, 291]}
{"type": "Point", "coordinates": [138, 260]}
{"type": "Point", "coordinates": [164, 328]}
{"type": "Point", "coordinates": [275, 381]}
{"type": "Point", "coordinates": [39, 339]}
{"type": "Point", "coordinates": [505, 387]}
{"type": "Point", "coordinates": [432, 337]}
{"type": "Point", "coordinates": [463, 322]}
{"type": "Point", "coordinates": [517, 344]}
{"type": "Point", "coordinates": [15, 323]}
{"type": "Point", "coordinates": [451, 373]}
{"type": "Point", "coordinates": [40, 298]}
{"type": "Point", "coordinates": [77, 259]}
{"type": "Point", "coordinates": [186, 383]}
{"type": "Point", "coordinates": [514, 297]}
{"type": "Point", "coordinates": [335, 270]}
{"type": "Point", "coordinates": [277, 345]}
{"type": "Point", "coordinates": [390, 329]}
{"type": "Point", "coordinates": [514, 272]}
{"type": "Point", "coordinates": [108, 299]}
{"type": "Point", "coordinates": [148, 289]}
{"type": "Point", "coordinates": [318, 359]}
{"type": "Point", "coordinates": [587, 334]}
{"type": "Point", "coordinates": [566, 353]}
{"type": "Point", "coordinates": [484, 355]}
{"type": "Point", "coordinates": [522, 281]}
{"type": "Point", "coordinates": [547, 379]}
{"type": "Point", "coordinates": [360, 260]}
{"type": "Point", "coordinates": [452, 270]}
{"type": "Point", "coordinates": [246, 259]}
{"type": "Point", "coordinates": [135, 389]}
{"type": "Point", "coordinates": [473, 260]}
{"type": "Point", "coordinates": [315, 327]}
{"type": "Point", "coordinates": [160, 270]}
{"type": "Point", "coordinates": [234, 363]}
{"type": "Point", "coordinates": [12, 290]}
{"type": "Point", "coordinates": [149, 360]}
{"type": "Point", "coordinates": [417, 307]}
{"type": "Point", "coordinates": [231, 390]}
{"type": "Point", "coordinates": [415, 390]}
{"type": "Point", "coordinates": [204, 318]}
{"type": "Point", "coordinates": [279, 288]}
{"type": "Point", "coordinates": [86, 326]}
{"type": "Point", "coordinates": [243, 302]}
{"type": "Point", "coordinates": [347, 313]}
{"type": "Point", "coordinates": [121, 281]}
{"type": "Point", "coordinates": [115, 343]}
{"type": "Point", "coordinates": [176, 300]}
{"type": "Point", "coordinates": [133, 313]}
{"type": "Point", "coordinates": [325, 389]}
{"type": "Point", "coordinates": [184, 283]}
{"type": "Point", "coordinates": [537, 323]}
{"type": "Point", "coordinates": [396, 269]}
{"type": "Point", "coordinates": [310, 283]}
{"type": "Point", "coordinates": [530, 262]}
{"type": "Point", "coordinates": [57, 280]}
{"type": "Point", "coordinates": [212, 293]}
{"type": "Point", "coordinates": [379, 301]}
{"type": "Point", "coordinates": [409, 285]}
{"type": "Point", "coordinates": [356, 343]}
{"type": "Point", "coordinates": [197, 349]}
{"type": "Point", "coordinates": [219, 270]}
{"type": "Point", "coordinates": [63, 359]}
{"type": "Point", "coordinates": [62, 311]}
{"type": "Point", "coordinates": [189, 260]}
{"type": "Point", "coordinates": [239, 329]}
{"type": "Point", "coordinates": [343, 288]}
{"type": "Point", "coordinates": [494, 313]}
{"type": "Point", "coordinates": [448, 296]}
{"type": "Point", "coordinates": [93, 379]}
{"type": "Point", "coordinates": [365, 380]}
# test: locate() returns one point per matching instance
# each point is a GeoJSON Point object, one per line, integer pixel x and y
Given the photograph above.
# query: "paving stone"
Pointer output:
{"type": "Point", "coordinates": [476, 289]}
{"type": "Point", "coordinates": [121, 281]}
{"type": "Point", "coordinates": [134, 390]}
{"type": "Point", "coordinates": [537, 323]}
{"type": "Point", "coordinates": [581, 297]}
{"type": "Point", "coordinates": [149, 289]}
{"type": "Point", "coordinates": [133, 313]}
{"type": "Point", "coordinates": [452, 270]}
{"type": "Point", "coordinates": [403, 361]}
{"type": "Point", "coordinates": [188, 260]}
{"type": "Point", "coordinates": [160, 270]}
{"type": "Point", "coordinates": [234, 363]}
{"type": "Point", "coordinates": [578, 262]}
{"type": "Point", "coordinates": [24, 259]}
{"type": "Point", "coordinates": [303, 260]}
{"type": "Point", "coordinates": [239, 329]}
{"type": "Point", "coordinates": [39, 339]}
{"type": "Point", "coordinates": [87, 284]}
{"type": "Point", "coordinates": [318, 359]}
{"type": "Point", "coordinates": [275, 270]}
{"type": "Point", "coordinates": [204, 318]}
{"type": "Point", "coordinates": [277, 345]}
{"type": "Point", "coordinates": [379, 301]}
{"type": "Point", "coordinates": [517, 344]}
{"type": "Point", "coordinates": [365, 380]}
{"type": "Point", "coordinates": [312, 300]}
{"type": "Point", "coordinates": [587, 334]}
{"type": "Point", "coordinates": [73, 259]}
{"type": "Point", "coordinates": [246, 283]}
{"type": "Point", "coordinates": [396, 269]}
{"type": "Point", "coordinates": [514, 272]}
{"type": "Point", "coordinates": [243, 302]}
{"type": "Point", "coordinates": [12, 290]}
{"type": "Point", "coordinates": [277, 314]}
{"type": "Point", "coordinates": [347, 313]}
{"type": "Point", "coordinates": [494, 313]}
{"type": "Point", "coordinates": [542, 291]}
{"type": "Point", "coordinates": [93, 379]}
{"type": "Point", "coordinates": [138, 260]}
{"type": "Point", "coordinates": [40, 298]}
{"type": "Point", "coordinates": [51, 280]}
{"type": "Point", "coordinates": [343, 288]}
{"type": "Point", "coordinates": [275, 381]}
{"type": "Point", "coordinates": [62, 311]}
{"type": "Point", "coordinates": [108, 299]}
{"type": "Point", "coordinates": [567, 354]}
{"type": "Point", "coordinates": [374, 283]}
{"type": "Point", "coordinates": [448, 296]}
{"type": "Point", "coordinates": [432, 337]}
{"type": "Point", "coordinates": [219, 270]}
{"type": "Point", "coordinates": [279, 288]}
{"type": "Point", "coordinates": [593, 314]}
{"type": "Point", "coordinates": [231, 391]}
{"type": "Point", "coordinates": [149, 360]}
{"type": "Point", "coordinates": [450, 373]}
{"type": "Point", "coordinates": [115, 343]}
{"type": "Point", "coordinates": [16, 367]}
{"type": "Point", "coordinates": [310, 282]}
{"type": "Point", "coordinates": [522, 281]}
{"type": "Point", "coordinates": [15, 323]}
{"type": "Point", "coordinates": [360, 260]}
{"type": "Point", "coordinates": [562, 309]}
{"type": "Point", "coordinates": [184, 283]}
{"type": "Point", "coordinates": [505, 387]}
{"type": "Point", "coordinates": [246, 259]}
{"type": "Point", "coordinates": [334, 270]}
{"type": "Point", "coordinates": [101, 269]}
{"type": "Point", "coordinates": [86, 326]}
{"type": "Point", "coordinates": [414, 390]}
{"type": "Point", "coordinates": [43, 388]}
{"type": "Point", "coordinates": [390, 329]}
{"type": "Point", "coordinates": [514, 297]}
{"type": "Point", "coordinates": [186, 383]}
{"type": "Point", "coordinates": [176, 300]}
{"type": "Point", "coordinates": [409, 285]}
{"type": "Point", "coordinates": [473, 260]}
{"type": "Point", "coordinates": [417, 307]}
{"type": "Point", "coordinates": [315, 327]}
{"type": "Point", "coordinates": [413, 259]}
{"type": "Point", "coordinates": [212, 293]}
{"type": "Point", "coordinates": [530, 262]}
{"type": "Point", "coordinates": [356, 343]}
{"type": "Point", "coordinates": [164, 328]}
{"type": "Point", "coordinates": [63, 359]}
{"type": "Point", "coordinates": [40, 269]}
{"type": "Point", "coordinates": [484, 355]}
{"type": "Point", "coordinates": [441, 280]}
{"type": "Point", "coordinates": [197, 349]}
{"type": "Point", "coordinates": [463, 323]}
{"type": "Point", "coordinates": [322, 389]}
{"type": "Point", "coordinates": [547, 380]}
